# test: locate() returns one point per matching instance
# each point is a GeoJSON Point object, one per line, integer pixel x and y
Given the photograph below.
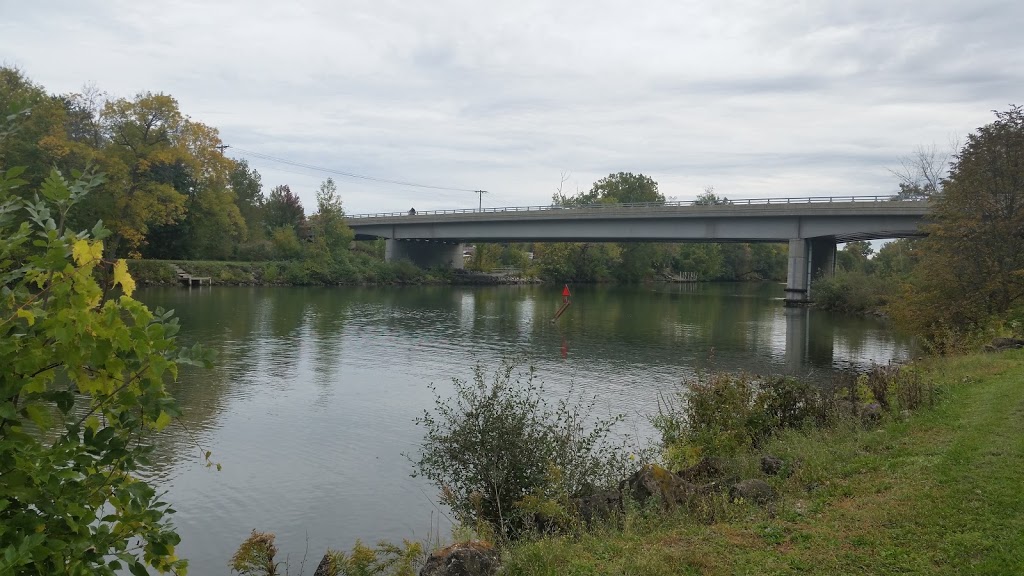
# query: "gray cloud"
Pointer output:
{"type": "Point", "coordinates": [757, 99]}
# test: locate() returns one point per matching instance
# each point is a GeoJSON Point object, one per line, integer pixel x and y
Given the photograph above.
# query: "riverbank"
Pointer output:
{"type": "Point", "coordinates": [357, 271]}
{"type": "Point", "coordinates": [937, 492]}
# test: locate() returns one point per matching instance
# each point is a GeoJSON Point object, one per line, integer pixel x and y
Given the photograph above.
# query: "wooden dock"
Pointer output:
{"type": "Point", "coordinates": [189, 280]}
{"type": "Point", "coordinates": [681, 277]}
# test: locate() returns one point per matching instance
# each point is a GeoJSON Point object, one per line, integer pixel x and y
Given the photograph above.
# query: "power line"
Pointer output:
{"type": "Point", "coordinates": [346, 174]}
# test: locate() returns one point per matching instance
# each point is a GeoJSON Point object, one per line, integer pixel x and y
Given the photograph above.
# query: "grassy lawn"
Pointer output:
{"type": "Point", "coordinates": [941, 492]}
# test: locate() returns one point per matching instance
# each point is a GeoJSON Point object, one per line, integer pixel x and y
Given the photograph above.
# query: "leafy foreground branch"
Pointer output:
{"type": "Point", "coordinates": [83, 368]}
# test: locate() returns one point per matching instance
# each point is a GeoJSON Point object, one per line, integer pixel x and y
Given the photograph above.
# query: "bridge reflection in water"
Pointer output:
{"type": "Point", "coordinates": [807, 342]}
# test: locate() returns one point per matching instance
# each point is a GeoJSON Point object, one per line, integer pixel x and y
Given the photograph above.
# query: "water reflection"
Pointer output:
{"type": "Point", "coordinates": [310, 406]}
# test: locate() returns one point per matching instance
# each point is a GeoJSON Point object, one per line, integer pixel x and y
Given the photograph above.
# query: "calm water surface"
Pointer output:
{"type": "Point", "coordinates": [311, 405]}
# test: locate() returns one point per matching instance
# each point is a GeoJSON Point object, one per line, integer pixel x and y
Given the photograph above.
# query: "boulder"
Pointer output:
{"type": "Point", "coordinates": [709, 468]}
{"type": "Point", "coordinates": [871, 412]}
{"type": "Point", "coordinates": [714, 487]}
{"type": "Point", "coordinates": [653, 481]}
{"type": "Point", "coordinates": [473, 558]}
{"type": "Point", "coordinates": [771, 465]}
{"type": "Point", "coordinates": [1000, 344]}
{"type": "Point", "coordinates": [598, 505]}
{"type": "Point", "coordinates": [754, 490]}
{"type": "Point", "coordinates": [324, 567]}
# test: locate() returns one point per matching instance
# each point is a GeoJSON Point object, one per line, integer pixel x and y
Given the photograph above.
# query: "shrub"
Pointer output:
{"type": "Point", "coordinates": [406, 272]}
{"type": "Point", "coordinates": [849, 292]}
{"type": "Point", "coordinates": [723, 414]}
{"type": "Point", "coordinates": [256, 556]}
{"type": "Point", "coordinates": [897, 388]}
{"type": "Point", "coordinates": [152, 272]}
{"type": "Point", "coordinates": [255, 251]}
{"type": "Point", "coordinates": [499, 452]}
{"type": "Point", "coordinates": [386, 559]}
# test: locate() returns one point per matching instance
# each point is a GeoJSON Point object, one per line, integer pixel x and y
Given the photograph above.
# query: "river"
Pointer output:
{"type": "Point", "coordinates": [311, 405]}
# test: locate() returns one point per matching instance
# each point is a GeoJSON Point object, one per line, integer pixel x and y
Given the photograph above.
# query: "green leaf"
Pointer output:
{"type": "Point", "coordinates": [138, 569]}
{"type": "Point", "coordinates": [38, 415]}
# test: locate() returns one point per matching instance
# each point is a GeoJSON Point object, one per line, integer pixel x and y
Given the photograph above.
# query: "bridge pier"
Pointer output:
{"type": "Point", "coordinates": [810, 340]}
{"type": "Point", "coordinates": [425, 254]}
{"type": "Point", "coordinates": [809, 258]}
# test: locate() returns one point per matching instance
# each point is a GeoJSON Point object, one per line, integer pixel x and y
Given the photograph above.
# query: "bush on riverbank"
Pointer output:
{"type": "Point", "coordinates": [506, 461]}
{"type": "Point", "coordinates": [852, 292]}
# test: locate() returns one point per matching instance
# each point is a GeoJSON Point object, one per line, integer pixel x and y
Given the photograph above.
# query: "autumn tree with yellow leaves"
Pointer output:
{"type": "Point", "coordinates": [168, 186]}
{"type": "Point", "coordinates": [84, 369]}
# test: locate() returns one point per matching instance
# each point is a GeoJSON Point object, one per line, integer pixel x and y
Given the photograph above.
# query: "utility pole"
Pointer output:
{"type": "Point", "coordinates": [481, 193]}
{"type": "Point", "coordinates": [221, 147]}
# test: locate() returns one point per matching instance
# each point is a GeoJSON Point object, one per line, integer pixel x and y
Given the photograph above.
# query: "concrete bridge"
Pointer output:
{"type": "Point", "coordinates": [812, 226]}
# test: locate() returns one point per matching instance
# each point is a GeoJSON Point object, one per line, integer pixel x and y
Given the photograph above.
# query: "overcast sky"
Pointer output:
{"type": "Point", "coordinates": [754, 98]}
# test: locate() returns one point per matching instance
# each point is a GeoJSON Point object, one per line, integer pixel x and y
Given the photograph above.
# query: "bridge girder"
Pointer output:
{"type": "Point", "coordinates": [758, 223]}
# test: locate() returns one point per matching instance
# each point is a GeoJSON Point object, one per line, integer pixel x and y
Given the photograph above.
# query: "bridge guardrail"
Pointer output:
{"type": "Point", "coordinates": [745, 201]}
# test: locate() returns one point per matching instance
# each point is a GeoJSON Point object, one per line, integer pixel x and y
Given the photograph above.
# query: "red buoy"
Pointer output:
{"type": "Point", "coordinates": [565, 291]}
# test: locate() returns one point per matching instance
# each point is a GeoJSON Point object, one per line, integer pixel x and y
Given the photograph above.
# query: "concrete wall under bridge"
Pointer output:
{"type": "Point", "coordinates": [425, 254]}
{"type": "Point", "coordinates": [811, 226]}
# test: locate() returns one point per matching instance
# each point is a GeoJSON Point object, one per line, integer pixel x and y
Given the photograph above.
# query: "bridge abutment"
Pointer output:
{"type": "Point", "coordinates": [425, 254]}
{"type": "Point", "coordinates": [809, 258]}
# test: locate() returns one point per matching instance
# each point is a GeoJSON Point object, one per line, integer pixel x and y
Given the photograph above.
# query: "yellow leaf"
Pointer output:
{"type": "Point", "coordinates": [86, 252]}
{"type": "Point", "coordinates": [80, 251]}
{"type": "Point", "coordinates": [122, 277]}
{"type": "Point", "coordinates": [163, 420]}
{"type": "Point", "coordinates": [27, 315]}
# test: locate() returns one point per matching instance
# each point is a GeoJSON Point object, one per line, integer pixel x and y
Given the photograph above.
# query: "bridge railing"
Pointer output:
{"type": "Point", "coordinates": [745, 201]}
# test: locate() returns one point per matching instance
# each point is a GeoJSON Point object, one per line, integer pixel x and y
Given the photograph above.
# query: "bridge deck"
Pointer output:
{"type": "Point", "coordinates": [843, 218]}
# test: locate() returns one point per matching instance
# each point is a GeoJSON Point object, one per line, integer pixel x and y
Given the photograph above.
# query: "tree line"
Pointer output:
{"type": "Point", "coordinates": [963, 282]}
{"type": "Point", "coordinates": [170, 192]}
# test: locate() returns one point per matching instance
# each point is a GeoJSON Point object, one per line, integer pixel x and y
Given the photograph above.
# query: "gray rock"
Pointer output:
{"type": "Point", "coordinates": [653, 481]}
{"type": "Point", "coordinates": [1000, 344]}
{"type": "Point", "coordinates": [599, 505]}
{"type": "Point", "coordinates": [754, 490]}
{"type": "Point", "coordinates": [714, 487]}
{"type": "Point", "coordinates": [324, 567]}
{"type": "Point", "coordinates": [871, 412]}
{"type": "Point", "coordinates": [709, 468]}
{"type": "Point", "coordinates": [473, 558]}
{"type": "Point", "coordinates": [771, 465]}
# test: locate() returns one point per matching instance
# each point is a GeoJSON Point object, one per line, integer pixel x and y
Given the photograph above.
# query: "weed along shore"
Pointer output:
{"type": "Point", "coordinates": [911, 469]}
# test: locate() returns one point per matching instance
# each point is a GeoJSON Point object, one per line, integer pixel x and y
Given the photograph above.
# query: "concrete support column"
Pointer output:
{"type": "Point", "coordinates": [822, 257]}
{"type": "Point", "coordinates": [425, 254]}
{"type": "Point", "coordinates": [796, 278]}
{"type": "Point", "coordinates": [809, 259]}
